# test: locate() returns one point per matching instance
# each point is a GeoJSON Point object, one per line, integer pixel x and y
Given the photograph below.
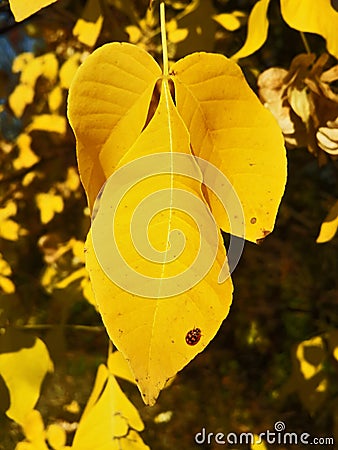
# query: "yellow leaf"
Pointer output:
{"type": "Point", "coordinates": [22, 96]}
{"type": "Point", "coordinates": [68, 70]}
{"type": "Point", "coordinates": [20, 61]}
{"type": "Point", "coordinates": [230, 127]}
{"type": "Point", "coordinates": [9, 210]}
{"type": "Point", "coordinates": [335, 353]}
{"type": "Point", "coordinates": [154, 251]}
{"type": "Point", "coordinates": [134, 33]}
{"type": "Point", "coordinates": [176, 36]}
{"type": "Point", "coordinates": [313, 17]}
{"type": "Point", "coordinates": [22, 9]}
{"type": "Point", "coordinates": [299, 101]}
{"type": "Point", "coordinates": [102, 104]}
{"type": "Point", "coordinates": [329, 227]}
{"type": "Point", "coordinates": [31, 69]}
{"type": "Point", "coordinates": [48, 277]}
{"type": "Point", "coordinates": [310, 354]}
{"type": "Point", "coordinates": [49, 204]}
{"type": "Point", "coordinates": [230, 21]}
{"type": "Point", "coordinates": [78, 249]}
{"type": "Point", "coordinates": [55, 99]}
{"type": "Point", "coordinates": [27, 157]}
{"type": "Point", "coordinates": [110, 421]}
{"type": "Point", "coordinates": [119, 367]}
{"type": "Point", "coordinates": [87, 291]}
{"type": "Point", "coordinates": [48, 122]}
{"type": "Point", "coordinates": [77, 274]}
{"type": "Point", "coordinates": [25, 446]}
{"type": "Point", "coordinates": [56, 436]}
{"type": "Point", "coordinates": [73, 407]}
{"type": "Point", "coordinates": [258, 443]}
{"type": "Point", "coordinates": [258, 26]}
{"type": "Point", "coordinates": [177, 275]}
{"type": "Point", "coordinates": [87, 29]}
{"type": "Point", "coordinates": [5, 268]}
{"type": "Point", "coordinates": [30, 177]}
{"type": "Point", "coordinates": [46, 65]}
{"type": "Point", "coordinates": [9, 230]}
{"type": "Point", "coordinates": [23, 372]}
{"type": "Point", "coordinates": [6, 285]}
{"type": "Point", "coordinates": [73, 180]}
{"type": "Point", "coordinates": [34, 429]}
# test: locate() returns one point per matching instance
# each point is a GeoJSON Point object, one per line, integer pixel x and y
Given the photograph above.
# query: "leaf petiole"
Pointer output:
{"type": "Point", "coordinates": [164, 39]}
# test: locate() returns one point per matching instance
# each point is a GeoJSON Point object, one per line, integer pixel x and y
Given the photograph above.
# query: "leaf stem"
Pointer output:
{"type": "Point", "coordinates": [164, 39]}
{"type": "Point", "coordinates": [305, 42]}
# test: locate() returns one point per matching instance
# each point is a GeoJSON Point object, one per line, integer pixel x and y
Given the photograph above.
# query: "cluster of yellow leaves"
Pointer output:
{"type": "Point", "coordinates": [308, 16]}
{"type": "Point", "coordinates": [309, 378]}
{"type": "Point", "coordinates": [86, 29]}
{"type": "Point", "coordinates": [65, 266]}
{"type": "Point", "coordinates": [305, 104]}
{"type": "Point", "coordinates": [109, 420]}
{"type": "Point", "coordinates": [52, 202]}
{"type": "Point", "coordinates": [31, 68]}
{"type": "Point", "coordinates": [147, 27]}
{"type": "Point", "coordinates": [219, 117]}
{"type": "Point", "coordinates": [9, 229]}
{"type": "Point", "coordinates": [59, 78]}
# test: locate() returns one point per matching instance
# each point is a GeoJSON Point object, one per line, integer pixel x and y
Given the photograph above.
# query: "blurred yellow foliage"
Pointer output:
{"type": "Point", "coordinates": [31, 69]}
{"type": "Point", "coordinates": [6, 285]}
{"type": "Point", "coordinates": [27, 157]}
{"type": "Point", "coordinates": [329, 227]}
{"type": "Point", "coordinates": [49, 203]}
{"type": "Point", "coordinates": [88, 27]}
{"type": "Point", "coordinates": [9, 229]}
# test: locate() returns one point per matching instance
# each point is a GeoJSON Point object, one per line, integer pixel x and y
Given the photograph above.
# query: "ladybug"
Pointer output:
{"type": "Point", "coordinates": [193, 336]}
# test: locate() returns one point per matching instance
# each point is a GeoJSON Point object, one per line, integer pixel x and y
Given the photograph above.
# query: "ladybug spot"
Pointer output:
{"type": "Point", "coordinates": [253, 220]}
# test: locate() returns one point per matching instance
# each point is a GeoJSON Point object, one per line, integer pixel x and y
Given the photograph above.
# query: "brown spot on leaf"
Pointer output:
{"type": "Point", "coordinates": [253, 220]}
{"type": "Point", "coordinates": [265, 233]}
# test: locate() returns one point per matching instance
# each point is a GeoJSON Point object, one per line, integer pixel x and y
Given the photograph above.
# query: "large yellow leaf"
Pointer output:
{"type": "Point", "coordinates": [229, 127]}
{"type": "Point", "coordinates": [107, 108]}
{"type": "Point", "coordinates": [23, 372]}
{"type": "Point", "coordinates": [257, 33]}
{"type": "Point", "coordinates": [110, 421]}
{"type": "Point", "coordinates": [160, 292]}
{"type": "Point", "coordinates": [313, 17]}
{"type": "Point", "coordinates": [154, 254]}
{"type": "Point", "coordinates": [22, 9]}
